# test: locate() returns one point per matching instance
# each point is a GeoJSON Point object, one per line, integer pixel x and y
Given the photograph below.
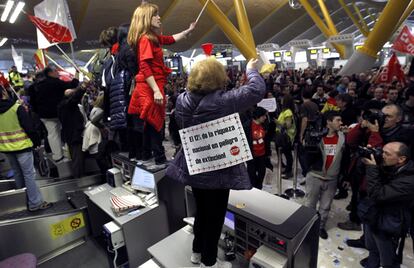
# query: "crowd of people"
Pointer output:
{"type": "Point", "coordinates": [352, 133]}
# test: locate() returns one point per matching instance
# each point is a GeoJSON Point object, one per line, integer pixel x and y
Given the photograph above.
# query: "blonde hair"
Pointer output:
{"type": "Point", "coordinates": [99, 102]}
{"type": "Point", "coordinates": [141, 24]}
{"type": "Point", "coordinates": [207, 76]}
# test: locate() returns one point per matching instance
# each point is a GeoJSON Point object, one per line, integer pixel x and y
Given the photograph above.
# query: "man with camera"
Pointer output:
{"type": "Point", "coordinates": [390, 193]}
{"type": "Point", "coordinates": [375, 129]}
{"type": "Point", "coordinates": [325, 165]}
{"type": "Point", "coordinates": [367, 132]}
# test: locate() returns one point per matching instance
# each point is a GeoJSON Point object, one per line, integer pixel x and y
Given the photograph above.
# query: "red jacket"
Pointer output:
{"type": "Point", "coordinates": [151, 63]}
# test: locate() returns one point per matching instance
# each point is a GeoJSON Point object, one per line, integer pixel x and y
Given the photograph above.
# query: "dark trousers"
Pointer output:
{"type": "Point", "coordinates": [283, 142]}
{"type": "Point", "coordinates": [153, 144]}
{"type": "Point", "coordinates": [257, 170]}
{"type": "Point", "coordinates": [302, 157]}
{"type": "Point", "coordinates": [78, 160]}
{"type": "Point", "coordinates": [135, 144]}
{"type": "Point", "coordinates": [211, 211]}
{"type": "Point", "coordinates": [357, 194]}
{"type": "Point", "coordinates": [382, 249]}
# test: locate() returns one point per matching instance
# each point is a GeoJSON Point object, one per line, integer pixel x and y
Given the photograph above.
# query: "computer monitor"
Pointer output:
{"type": "Point", "coordinates": [143, 180]}
{"type": "Point", "coordinates": [229, 220]}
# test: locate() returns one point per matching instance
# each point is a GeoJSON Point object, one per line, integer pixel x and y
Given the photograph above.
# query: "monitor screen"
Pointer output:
{"type": "Point", "coordinates": [143, 180]}
{"type": "Point", "coordinates": [229, 220]}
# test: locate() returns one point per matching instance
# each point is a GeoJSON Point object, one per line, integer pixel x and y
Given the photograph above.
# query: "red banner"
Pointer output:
{"type": "Point", "coordinates": [404, 42]}
{"type": "Point", "coordinates": [392, 70]}
{"type": "Point", "coordinates": [3, 81]}
{"type": "Point", "coordinates": [54, 32]}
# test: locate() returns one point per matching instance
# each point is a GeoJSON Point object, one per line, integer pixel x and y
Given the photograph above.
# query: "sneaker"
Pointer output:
{"type": "Point", "coordinates": [355, 243]}
{"type": "Point", "coordinates": [287, 175]}
{"type": "Point", "coordinates": [219, 264]}
{"type": "Point", "coordinates": [195, 258]}
{"type": "Point", "coordinates": [341, 195]}
{"type": "Point", "coordinates": [323, 234]}
{"type": "Point", "coordinates": [349, 226]}
{"type": "Point", "coordinates": [42, 206]}
{"type": "Point", "coordinates": [364, 262]}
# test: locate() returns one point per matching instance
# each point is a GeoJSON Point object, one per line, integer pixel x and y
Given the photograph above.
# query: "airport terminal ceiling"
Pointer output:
{"type": "Point", "coordinates": [271, 21]}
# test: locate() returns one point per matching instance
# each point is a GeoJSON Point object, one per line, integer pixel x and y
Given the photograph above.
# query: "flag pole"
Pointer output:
{"type": "Point", "coordinates": [14, 91]}
{"type": "Point", "coordinates": [54, 62]}
{"type": "Point", "coordinates": [201, 12]}
{"type": "Point", "coordinates": [93, 58]}
{"type": "Point", "coordinates": [66, 57]}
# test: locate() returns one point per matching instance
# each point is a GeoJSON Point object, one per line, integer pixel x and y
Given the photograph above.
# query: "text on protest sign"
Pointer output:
{"type": "Point", "coordinates": [215, 145]}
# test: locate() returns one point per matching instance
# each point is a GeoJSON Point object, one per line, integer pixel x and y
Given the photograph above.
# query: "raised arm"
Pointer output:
{"type": "Point", "coordinates": [184, 34]}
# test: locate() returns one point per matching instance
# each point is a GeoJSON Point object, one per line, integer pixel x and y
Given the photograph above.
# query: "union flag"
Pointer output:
{"type": "Point", "coordinates": [54, 32]}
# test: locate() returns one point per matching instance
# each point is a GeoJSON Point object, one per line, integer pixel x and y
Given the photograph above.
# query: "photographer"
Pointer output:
{"type": "Point", "coordinates": [367, 132]}
{"type": "Point", "coordinates": [393, 130]}
{"type": "Point", "coordinates": [322, 179]}
{"type": "Point", "coordinates": [391, 191]}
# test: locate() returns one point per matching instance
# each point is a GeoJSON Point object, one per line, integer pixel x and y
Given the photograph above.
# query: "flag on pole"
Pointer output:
{"type": "Point", "coordinates": [53, 22]}
{"type": "Point", "coordinates": [404, 42]}
{"type": "Point", "coordinates": [18, 59]}
{"type": "Point", "coordinates": [3, 81]}
{"type": "Point", "coordinates": [40, 59]}
{"type": "Point", "coordinates": [393, 69]}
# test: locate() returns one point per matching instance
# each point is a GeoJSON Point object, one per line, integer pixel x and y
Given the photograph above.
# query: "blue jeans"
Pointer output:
{"type": "Point", "coordinates": [25, 175]}
{"type": "Point", "coordinates": [382, 249]}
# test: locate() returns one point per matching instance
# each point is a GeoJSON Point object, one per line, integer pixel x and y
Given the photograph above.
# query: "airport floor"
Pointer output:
{"type": "Point", "coordinates": [334, 252]}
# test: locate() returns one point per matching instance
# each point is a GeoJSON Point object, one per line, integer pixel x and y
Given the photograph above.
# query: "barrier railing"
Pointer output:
{"type": "Point", "coordinates": [294, 192]}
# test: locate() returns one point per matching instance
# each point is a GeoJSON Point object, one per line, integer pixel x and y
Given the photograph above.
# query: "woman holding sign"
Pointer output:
{"type": "Point", "coordinates": [207, 100]}
{"type": "Point", "coordinates": [148, 99]}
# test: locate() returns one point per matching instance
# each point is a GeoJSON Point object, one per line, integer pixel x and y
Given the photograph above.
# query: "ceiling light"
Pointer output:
{"type": "Point", "coordinates": [4, 40]}
{"type": "Point", "coordinates": [16, 12]}
{"type": "Point", "coordinates": [7, 10]}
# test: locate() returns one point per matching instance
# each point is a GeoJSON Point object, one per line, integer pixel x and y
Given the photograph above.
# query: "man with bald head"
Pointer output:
{"type": "Point", "coordinates": [391, 191]}
{"type": "Point", "coordinates": [393, 130]}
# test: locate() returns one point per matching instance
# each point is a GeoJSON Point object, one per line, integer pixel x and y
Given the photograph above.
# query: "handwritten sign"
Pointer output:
{"type": "Point", "coordinates": [268, 104]}
{"type": "Point", "coordinates": [215, 145]}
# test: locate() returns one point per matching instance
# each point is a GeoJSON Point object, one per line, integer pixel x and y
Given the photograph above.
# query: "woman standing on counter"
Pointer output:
{"type": "Point", "coordinates": [206, 100]}
{"type": "Point", "coordinates": [148, 98]}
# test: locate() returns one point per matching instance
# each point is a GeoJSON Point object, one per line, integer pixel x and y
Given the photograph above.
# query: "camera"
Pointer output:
{"type": "Point", "coordinates": [367, 152]}
{"type": "Point", "coordinates": [313, 136]}
{"type": "Point", "coordinates": [371, 116]}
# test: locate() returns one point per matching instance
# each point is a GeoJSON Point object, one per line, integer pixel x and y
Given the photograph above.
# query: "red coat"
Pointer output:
{"type": "Point", "coordinates": [360, 136]}
{"type": "Point", "coordinates": [151, 63]}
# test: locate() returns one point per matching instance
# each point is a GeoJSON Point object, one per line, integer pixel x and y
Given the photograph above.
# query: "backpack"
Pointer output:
{"type": "Point", "coordinates": [97, 65]}
{"type": "Point", "coordinates": [108, 72]}
{"type": "Point", "coordinates": [118, 80]}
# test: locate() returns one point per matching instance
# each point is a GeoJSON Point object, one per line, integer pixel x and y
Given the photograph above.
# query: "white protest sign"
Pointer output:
{"type": "Point", "coordinates": [215, 145]}
{"type": "Point", "coordinates": [269, 104]}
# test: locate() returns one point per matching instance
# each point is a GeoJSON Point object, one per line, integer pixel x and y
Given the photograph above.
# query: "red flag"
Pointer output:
{"type": "Point", "coordinates": [404, 42]}
{"type": "Point", "coordinates": [3, 81]}
{"type": "Point", "coordinates": [65, 75]}
{"type": "Point", "coordinates": [393, 69]}
{"type": "Point", "coordinates": [54, 32]}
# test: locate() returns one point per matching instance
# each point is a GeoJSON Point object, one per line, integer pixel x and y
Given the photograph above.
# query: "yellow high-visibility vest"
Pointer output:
{"type": "Point", "coordinates": [12, 136]}
{"type": "Point", "coordinates": [15, 79]}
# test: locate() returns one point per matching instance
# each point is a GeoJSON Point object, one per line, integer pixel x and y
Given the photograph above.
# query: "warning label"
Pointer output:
{"type": "Point", "coordinates": [67, 225]}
